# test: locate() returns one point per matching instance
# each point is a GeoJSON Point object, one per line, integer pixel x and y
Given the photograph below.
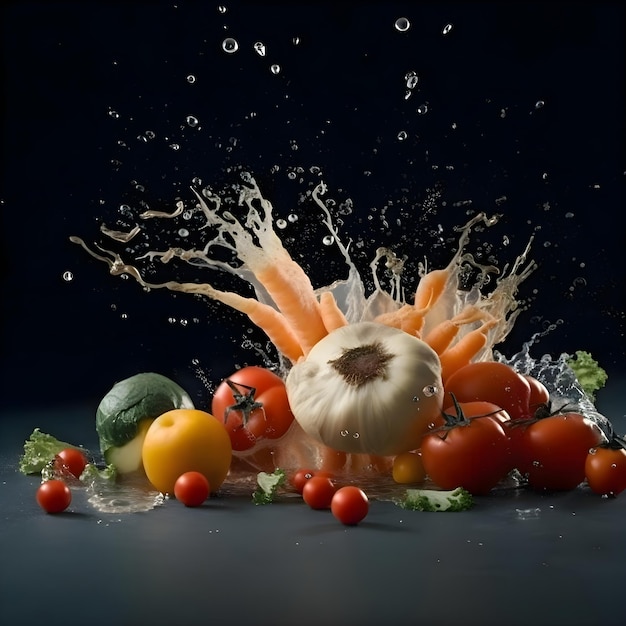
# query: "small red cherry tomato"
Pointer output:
{"type": "Point", "coordinates": [54, 496]}
{"type": "Point", "coordinates": [605, 470]}
{"type": "Point", "coordinates": [318, 492]}
{"type": "Point", "coordinates": [302, 475]}
{"type": "Point", "coordinates": [72, 459]}
{"type": "Point", "coordinates": [349, 505]}
{"type": "Point", "coordinates": [192, 488]}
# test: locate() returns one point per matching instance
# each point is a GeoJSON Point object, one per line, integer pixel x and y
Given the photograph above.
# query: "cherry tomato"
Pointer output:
{"type": "Point", "coordinates": [54, 496]}
{"type": "Point", "coordinates": [72, 459]}
{"type": "Point", "coordinates": [258, 397]}
{"type": "Point", "coordinates": [552, 451]}
{"type": "Point", "coordinates": [349, 505]}
{"type": "Point", "coordinates": [471, 450]}
{"type": "Point", "coordinates": [491, 381]}
{"type": "Point", "coordinates": [408, 468]}
{"type": "Point", "coordinates": [192, 488]}
{"type": "Point", "coordinates": [299, 479]}
{"type": "Point", "coordinates": [605, 469]}
{"type": "Point", "coordinates": [539, 394]}
{"type": "Point", "coordinates": [318, 491]}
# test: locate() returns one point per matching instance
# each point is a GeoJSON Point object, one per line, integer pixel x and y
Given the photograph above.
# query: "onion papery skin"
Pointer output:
{"type": "Point", "coordinates": [385, 415]}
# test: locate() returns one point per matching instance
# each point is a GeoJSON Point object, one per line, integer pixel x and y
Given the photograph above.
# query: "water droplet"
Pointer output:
{"type": "Point", "coordinates": [422, 109]}
{"type": "Point", "coordinates": [295, 41]}
{"type": "Point", "coordinates": [280, 223]}
{"type": "Point", "coordinates": [183, 322]}
{"type": "Point", "coordinates": [230, 45]}
{"type": "Point", "coordinates": [292, 217]}
{"type": "Point", "coordinates": [171, 320]}
{"type": "Point", "coordinates": [528, 513]}
{"type": "Point", "coordinates": [191, 79]}
{"type": "Point", "coordinates": [402, 24]}
{"type": "Point", "coordinates": [344, 433]}
{"type": "Point", "coordinates": [183, 232]}
{"type": "Point", "coordinates": [356, 435]}
{"type": "Point", "coordinates": [430, 390]}
{"type": "Point", "coordinates": [259, 48]}
{"type": "Point", "coordinates": [402, 135]}
{"type": "Point", "coordinates": [536, 463]}
{"type": "Point", "coordinates": [124, 316]}
{"type": "Point", "coordinates": [539, 104]}
{"type": "Point", "coordinates": [175, 146]}
{"type": "Point", "coordinates": [68, 276]}
{"type": "Point", "coordinates": [221, 9]}
{"type": "Point", "coordinates": [411, 79]}
{"type": "Point", "coordinates": [446, 29]}
{"type": "Point", "coordinates": [275, 68]}
{"type": "Point", "coordinates": [114, 114]}
{"type": "Point", "coordinates": [191, 121]}
{"type": "Point", "coordinates": [328, 240]}
{"type": "Point", "coordinates": [415, 399]}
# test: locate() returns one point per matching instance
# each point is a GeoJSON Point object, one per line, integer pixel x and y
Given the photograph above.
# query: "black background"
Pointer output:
{"type": "Point", "coordinates": [68, 162]}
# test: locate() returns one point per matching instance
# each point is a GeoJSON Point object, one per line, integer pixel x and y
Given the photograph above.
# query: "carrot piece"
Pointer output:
{"type": "Point", "coordinates": [443, 334]}
{"type": "Point", "coordinates": [292, 292]}
{"type": "Point", "coordinates": [332, 460]}
{"type": "Point", "coordinates": [460, 354]}
{"type": "Point", "coordinates": [430, 288]}
{"type": "Point", "coordinates": [268, 319]}
{"type": "Point", "coordinates": [332, 315]}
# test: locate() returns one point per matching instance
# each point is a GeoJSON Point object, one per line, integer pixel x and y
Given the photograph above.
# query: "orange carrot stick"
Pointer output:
{"type": "Point", "coordinates": [443, 334]}
{"type": "Point", "coordinates": [292, 292]}
{"type": "Point", "coordinates": [332, 460]}
{"type": "Point", "coordinates": [464, 350]}
{"type": "Point", "coordinates": [332, 315]}
{"type": "Point", "coordinates": [268, 319]}
{"type": "Point", "coordinates": [430, 288]}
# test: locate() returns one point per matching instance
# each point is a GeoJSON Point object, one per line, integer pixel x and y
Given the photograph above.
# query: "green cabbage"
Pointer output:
{"type": "Point", "coordinates": [143, 396]}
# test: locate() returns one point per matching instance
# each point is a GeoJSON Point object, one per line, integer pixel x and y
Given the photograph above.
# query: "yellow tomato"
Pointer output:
{"type": "Point", "coordinates": [408, 468]}
{"type": "Point", "coordinates": [186, 440]}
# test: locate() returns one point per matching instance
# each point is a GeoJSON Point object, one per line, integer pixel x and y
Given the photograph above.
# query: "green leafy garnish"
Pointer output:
{"type": "Point", "coordinates": [39, 450]}
{"type": "Point", "coordinates": [433, 500]}
{"type": "Point", "coordinates": [93, 475]}
{"type": "Point", "coordinates": [268, 485]}
{"type": "Point", "coordinates": [589, 374]}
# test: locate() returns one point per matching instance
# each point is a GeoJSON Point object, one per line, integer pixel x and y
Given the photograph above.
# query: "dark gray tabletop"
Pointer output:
{"type": "Point", "coordinates": [516, 558]}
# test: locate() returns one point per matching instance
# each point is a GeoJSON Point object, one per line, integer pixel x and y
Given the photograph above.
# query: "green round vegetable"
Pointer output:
{"type": "Point", "coordinates": [143, 396]}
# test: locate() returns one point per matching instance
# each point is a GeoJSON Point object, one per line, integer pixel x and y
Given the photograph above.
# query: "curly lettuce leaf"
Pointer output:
{"type": "Point", "coordinates": [39, 449]}
{"type": "Point", "coordinates": [588, 373]}
{"type": "Point", "coordinates": [93, 475]}
{"type": "Point", "coordinates": [268, 485]}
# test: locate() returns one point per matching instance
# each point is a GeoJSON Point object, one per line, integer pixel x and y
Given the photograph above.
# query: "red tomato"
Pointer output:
{"type": "Point", "coordinates": [349, 505]}
{"type": "Point", "coordinates": [192, 488]}
{"type": "Point", "coordinates": [73, 460]}
{"type": "Point", "coordinates": [552, 451]}
{"type": "Point", "coordinates": [494, 382]}
{"type": "Point", "coordinates": [299, 479]}
{"type": "Point", "coordinates": [54, 496]}
{"type": "Point", "coordinates": [605, 469]}
{"type": "Point", "coordinates": [539, 394]}
{"type": "Point", "coordinates": [257, 396]}
{"type": "Point", "coordinates": [473, 453]}
{"type": "Point", "coordinates": [318, 492]}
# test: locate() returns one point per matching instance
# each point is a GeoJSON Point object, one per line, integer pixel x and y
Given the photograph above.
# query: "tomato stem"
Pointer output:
{"type": "Point", "coordinates": [244, 402]}
{"type": "Point", "coordinates": [458, 418]}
